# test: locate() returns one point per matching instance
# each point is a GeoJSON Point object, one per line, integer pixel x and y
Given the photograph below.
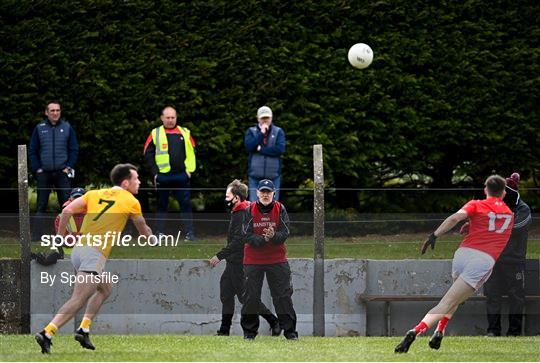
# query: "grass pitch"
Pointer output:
{"type": "Point", "coordinates": [265, 348]}
{"type": "Point", "coordinates": [382, 247]}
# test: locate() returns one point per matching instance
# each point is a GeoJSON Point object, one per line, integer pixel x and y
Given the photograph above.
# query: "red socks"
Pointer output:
{"type": "Point", "coordinates": [442, 324]}
{"type": "Point", "coordinates": [420, 328]}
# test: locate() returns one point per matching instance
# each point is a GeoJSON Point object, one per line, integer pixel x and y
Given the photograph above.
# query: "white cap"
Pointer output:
{"type": "Point", "coordinates": [264, 111]}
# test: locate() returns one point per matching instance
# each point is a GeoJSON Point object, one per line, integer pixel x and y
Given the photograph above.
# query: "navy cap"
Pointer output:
{"type": "Point", "coordinates": [77, 192]}
{"type": "Point", "coordinates": [266, 184]}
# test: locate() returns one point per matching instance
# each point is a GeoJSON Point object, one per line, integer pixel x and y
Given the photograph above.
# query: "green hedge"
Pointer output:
{"type": "Point", "coordinates": [452, 93]}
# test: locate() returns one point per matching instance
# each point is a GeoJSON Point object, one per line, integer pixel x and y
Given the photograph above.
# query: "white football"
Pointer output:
{"type": "Point", "coordinates": [360, 55]}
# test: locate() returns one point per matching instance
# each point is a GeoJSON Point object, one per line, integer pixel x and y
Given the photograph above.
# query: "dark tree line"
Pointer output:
{"type": "Point", "coordinates": [451, 96]}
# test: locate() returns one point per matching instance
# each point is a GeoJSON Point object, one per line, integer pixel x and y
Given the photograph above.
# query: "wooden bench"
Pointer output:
{"type": "Point", "coordinates": [387, 299]}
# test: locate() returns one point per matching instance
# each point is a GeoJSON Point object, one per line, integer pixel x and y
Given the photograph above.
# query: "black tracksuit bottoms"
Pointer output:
{"type": "Point", "coordinates": [506, 279]}
{"type": "Point", "coordinates": [279, 281]}
{"type": "Point", "coordinates": [232, 284]}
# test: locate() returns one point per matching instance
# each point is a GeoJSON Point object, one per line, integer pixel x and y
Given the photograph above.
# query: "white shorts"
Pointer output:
{"type": "Point", "coordinates": [473, 266]}
{"type": "Point", "coordinates": [88, 259]}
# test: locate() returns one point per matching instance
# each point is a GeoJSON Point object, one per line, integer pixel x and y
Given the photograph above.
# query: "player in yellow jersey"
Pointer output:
{"type": "Point", "coordinates": [107, 211]}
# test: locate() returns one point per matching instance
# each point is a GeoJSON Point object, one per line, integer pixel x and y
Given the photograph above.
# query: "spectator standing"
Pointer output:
{"type": "Point", "coordinates": [265, 143]}
{"type": "Point", "coordinates": [266, 228]}
{"type": "Point", "coordinates": [508, 276]}
{"type": "Point", "coordinates": [53, 153]}
{"type": "Point", "coordinates": [232, 280]}
{"type": "Point", "coordinates": [170, 152]}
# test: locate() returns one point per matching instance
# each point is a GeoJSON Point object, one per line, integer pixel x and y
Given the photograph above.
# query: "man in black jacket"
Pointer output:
{"type": "Point", "coordinates": [265, 228]}
{"type": "Point", "coordinates": [509, 271]}
{"type": "Point", "coordinates": [232, 280]}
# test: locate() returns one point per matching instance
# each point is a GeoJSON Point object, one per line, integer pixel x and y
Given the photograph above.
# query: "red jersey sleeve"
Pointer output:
{"type": "Point", "coordinates": [470, 207]}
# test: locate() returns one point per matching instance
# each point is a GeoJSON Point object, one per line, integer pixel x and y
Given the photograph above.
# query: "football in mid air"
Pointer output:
{"type": "Point", "coordinates": [360, 55]}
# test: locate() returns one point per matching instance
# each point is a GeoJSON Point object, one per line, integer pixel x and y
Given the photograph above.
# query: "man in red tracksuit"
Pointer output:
{"type": "Point", "coordinates": [265, 228]}
{"type": "Point", "coordinates": [231, 283]}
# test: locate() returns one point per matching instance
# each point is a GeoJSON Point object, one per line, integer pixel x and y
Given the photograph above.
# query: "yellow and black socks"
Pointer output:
{"type": "Point", "coordinates": [85, 325]}
{"type": "Point", "coordinates": [50, 330]}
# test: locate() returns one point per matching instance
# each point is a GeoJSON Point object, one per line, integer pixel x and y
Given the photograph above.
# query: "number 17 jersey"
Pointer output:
{"type": "Point", "coordinates": [107, 210]}
{"type": "Point", "coordinates": [490, 225]}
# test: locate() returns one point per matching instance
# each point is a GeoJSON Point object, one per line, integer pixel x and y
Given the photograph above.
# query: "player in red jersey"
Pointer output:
{"type": "Point", "coordinates": [490, 223]}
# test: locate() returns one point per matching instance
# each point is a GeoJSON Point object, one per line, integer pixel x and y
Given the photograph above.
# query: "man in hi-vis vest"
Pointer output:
{"type": "Point", "coordinates": [170, 152]}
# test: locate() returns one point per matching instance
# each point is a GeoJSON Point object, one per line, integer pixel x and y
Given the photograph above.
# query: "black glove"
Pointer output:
{"type": "Point", "coordinates": [47, 259]}
{"type": "Point", "coordinates": [430, 241]}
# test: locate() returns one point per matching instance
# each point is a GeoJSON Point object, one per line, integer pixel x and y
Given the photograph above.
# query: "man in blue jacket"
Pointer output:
{"type": "Point", "coordinates": [53, 153]}
{"type": "Point", "coordinates": [265, 144]}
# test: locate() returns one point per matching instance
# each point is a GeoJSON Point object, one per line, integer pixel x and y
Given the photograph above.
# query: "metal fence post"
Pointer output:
{"type": "Point", "coordinates": [318, 235]}
{"type": "Point", "coordinates": [24, 236]}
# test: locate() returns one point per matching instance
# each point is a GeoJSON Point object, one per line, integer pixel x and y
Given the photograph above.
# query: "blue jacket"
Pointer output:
{"type": "Point", "coordinates": [53, 147]}
{"type": "Point", "coordinates": [266, 163]}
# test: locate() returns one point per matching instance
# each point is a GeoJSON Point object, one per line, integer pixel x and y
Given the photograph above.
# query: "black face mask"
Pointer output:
{"type": "Point", "coordinates": [229, 204]}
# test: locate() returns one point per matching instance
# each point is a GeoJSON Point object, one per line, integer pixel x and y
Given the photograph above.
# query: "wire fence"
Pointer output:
{"type": "Point", "coordinates": [376, 214]}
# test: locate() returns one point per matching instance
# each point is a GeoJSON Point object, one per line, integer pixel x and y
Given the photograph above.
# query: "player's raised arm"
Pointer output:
{"type": "Point", "coordinates": [445, 226]}
{"type": "Point", "coordinates": [140, 224]}
{"type": "Point", "coordinates": [75, 207]}
{"type": "Point", "coordinates": [450, 222]}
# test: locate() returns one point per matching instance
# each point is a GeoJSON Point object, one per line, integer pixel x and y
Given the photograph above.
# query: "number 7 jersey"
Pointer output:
{"type": "Point", "coordinates": [107, 210]}
{"type": "Point", "coordinates": [490, 225]}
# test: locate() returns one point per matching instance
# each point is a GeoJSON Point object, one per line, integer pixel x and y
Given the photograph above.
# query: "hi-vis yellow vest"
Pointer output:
{"type": "Point", "coordinates": [159, 137]}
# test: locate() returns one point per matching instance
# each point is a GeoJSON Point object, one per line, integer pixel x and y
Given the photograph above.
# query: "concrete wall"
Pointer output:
{"type": "Point", "coordinates": [409, 277]}
{"type": "Point", "coordinates": [10, 296]}
{"type": "Point", "coordinates": [433, 277]}
{"type": "Point", "coordinates": [182, 296]}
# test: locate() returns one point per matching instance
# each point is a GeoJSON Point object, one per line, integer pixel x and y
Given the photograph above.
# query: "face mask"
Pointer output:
{"type": "Point", "coordinates": [229, 204]}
